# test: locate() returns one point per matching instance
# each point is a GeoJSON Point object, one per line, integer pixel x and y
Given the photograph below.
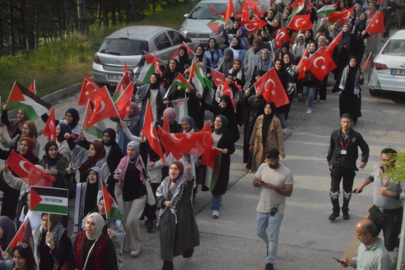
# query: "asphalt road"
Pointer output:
{"type": "Point", "coordinates": [308, 240]}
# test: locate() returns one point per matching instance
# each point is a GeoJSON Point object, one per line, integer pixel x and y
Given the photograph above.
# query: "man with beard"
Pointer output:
{"type": "Point", "coordinates": [276, 183]}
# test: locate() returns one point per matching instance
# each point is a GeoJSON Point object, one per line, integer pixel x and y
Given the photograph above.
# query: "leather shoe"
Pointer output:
{"type": "Point", "coordinates": [333, 216]}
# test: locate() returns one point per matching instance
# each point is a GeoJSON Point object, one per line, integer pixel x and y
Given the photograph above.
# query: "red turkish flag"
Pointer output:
{"type": "Point", "coordinates": [88, 90]}
{"type": "Point", "coordinates": [88, 114]}
{"type": "Point", "coordinates": [245, 12]}
{"type": "Point", "coordinates": [271, 88]}
{"type": "Point", "coordinates": [207, 127]}
{"type": "Point", "coordinates": [50, 126]}
{"type": "Point", "coordinates": [125, 67]}
{"type": "Point", "coordinates": [300, 23]}
{"type": "Point", "coordinates": [253, 26]}
{"type": "Point", "coordinates": [229, 10]}
{"type": "Point", "coordinates": [103, 107]}
{"type": "Point", "coordinates": [180, 144]}
{"type": "Point", "coordinates": [303, 65]}
{"type": "Point", "coordinates": [342, 16]}
{"type": "Point", "coordinates": [333, 44]}
{"type": "Point", "coordinates": [150, 132]}
{"type": "Point", "coordinates": [166, 127]}
{"type": "Point", "coordinates": [33, 88]}
{"type": "Point", "coordinates": [30, 174]}
{"type": "Point", "coordinates": [226, 90]}
{"type": "Point", "coordinates": [123, 84]}
{"type": "Point", "coordinates": [176, 52]}
{"type": "Point", "coordinates": [123, 103]}
{"type": "Point", "coordinates": [321, 64]}
{"type": "Point", "coordinates": [156, 64]}
{"type": "Point", "coordinates": [217, 77]}
{"type": "Point", "coordinates": [376, 25]}
{"type": "Point", "coordinates": [282, 36]}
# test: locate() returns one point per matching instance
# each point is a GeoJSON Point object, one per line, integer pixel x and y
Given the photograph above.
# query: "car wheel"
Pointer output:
{"type": "Point", "coordinates": [373, 92]}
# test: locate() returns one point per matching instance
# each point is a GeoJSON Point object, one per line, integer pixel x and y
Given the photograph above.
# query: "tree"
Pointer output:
{"type": "Point", "coordinates": [81, 17]}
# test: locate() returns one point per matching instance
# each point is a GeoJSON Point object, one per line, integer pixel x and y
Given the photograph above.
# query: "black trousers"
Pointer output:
{"type": "Point", "coordinates": [339, 173]}
{"type": "Point", "coordinates": [389, 223]}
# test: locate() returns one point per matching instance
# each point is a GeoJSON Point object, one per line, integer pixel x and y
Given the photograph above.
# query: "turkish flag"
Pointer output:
{"type": "Point", "coordinates": [27, 171]}
{"type": "Point", "coordinates": [176, 52]}
{"type": "Point", "coordinates": [156, 63]}
{"type": "Point", "coordinates": [88, 90]}
{"type": "Point", "coordinates": [229, 10]}
{"type": "Point", "coordinates": [150, 132]}
{"type": "Point", "coordinates": [253, 26]}
{"type": "Point", "coordinates": [245, 12]}
{"type": "Point", "coordinates": [282, 36]}
{"type": "Point", "coordinates": [342, 16]}
{"type": "Point", "coordinates": [103, 107]}
{"type": "Point", "coordinates": [321, 64]}
{"type": "Point", "coordinates": [333, 44]}
{"type": "Point", "coordinates": [226, 90]}
{"type": "Point", "coordinates": [270, 87]}
{"type": "Point", "coordinates": [33, 88]}
{"type": "Point", "coordinates": [125, 67]}
{"type": "Point", "coordinates": [166, 127]}
{"type": "Point", "coordinates": [123, 84]}
{"type": "Point", "coordinates": [376, 25]}
{"type": "Point", "coordinates": [207, 127]}
{"type": "Point", "coordinates": [217, 77]}
{"type": "Point", "coordinates": [303, 65]}
{"type": "Point", "coordinates": [123, 103]}
{"type": "Point", "coordinates": [180, 144]}
{"type": "Point", "coordinates": [50, 126]}
{"type": "Point", "coordinates": [88, 114]}
{"type": "Point", "coordinates": [301, 23]}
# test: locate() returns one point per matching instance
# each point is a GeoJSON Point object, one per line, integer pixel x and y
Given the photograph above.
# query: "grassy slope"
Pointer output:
{"type": "Point", "coordinates": [62, 63]}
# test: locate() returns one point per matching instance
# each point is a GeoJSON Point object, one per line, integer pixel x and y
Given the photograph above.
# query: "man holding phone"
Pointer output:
{"type": "Point", "coordinates": [276, 183]}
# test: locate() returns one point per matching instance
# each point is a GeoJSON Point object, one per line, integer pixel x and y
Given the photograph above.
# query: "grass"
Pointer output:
{"type": "Point", "coordinates": [62, 63]}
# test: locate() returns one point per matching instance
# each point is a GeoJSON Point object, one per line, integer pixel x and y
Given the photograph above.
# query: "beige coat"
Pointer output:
{"type": "Point", "coordinates": [274, 139]}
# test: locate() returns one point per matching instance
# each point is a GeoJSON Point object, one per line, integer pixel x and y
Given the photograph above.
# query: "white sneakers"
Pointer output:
{"type": "Point", "coordinates": [309, 110]}
{"type": "Point", "coordinates": [135, 253]}
{"type": "Point", "coordinates": [215, 214]}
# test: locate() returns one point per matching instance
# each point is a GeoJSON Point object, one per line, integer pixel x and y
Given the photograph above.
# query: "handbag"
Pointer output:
{"type": "Point", "coordinates": [150, 197]}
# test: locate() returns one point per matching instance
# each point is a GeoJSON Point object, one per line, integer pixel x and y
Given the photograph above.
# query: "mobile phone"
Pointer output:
{"type": "Point", "coordinates": [341, 262]}
{"type": "Point", "coordinates": [261, 181]}
{"type": "Point", "coordinates": [355, 191]}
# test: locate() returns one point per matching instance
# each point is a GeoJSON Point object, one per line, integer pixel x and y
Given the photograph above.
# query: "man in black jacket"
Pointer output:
{"type": "Point", "coordinates": [342, 156]}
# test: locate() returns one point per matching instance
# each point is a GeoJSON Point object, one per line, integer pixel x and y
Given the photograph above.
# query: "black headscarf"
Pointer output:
{"type": "Point", "coordinates": [64, 128]}
{"type": "Point", "coordinates": [91, 192]}
{"type": "Point", "coordinates": [47, 158]}
{"type": "Point", "coordinates": [8, 228]}
{"type": "Point", "coordinates": [239, 46]}
{"type": "Point", "coordinates": [346, 37]}
{"type": "Point", "coordinates": [76, 117]}
{"type": "Point", "coordinates": [155, 85]}
{"type": "Point", "coordinates": [200, 57]}
{"type": "Point", "coordinates": [267, 118]}
{"type": "Point", "coordinates": [184, 61]}
{"type": "Point", "coordinates": [113, 136]}
{"type": "Point", "coordinates": [168, 75]}
{"type": "Point", "coordinates": [228, 110]}
{"type": "Point", "coordinates": [353, 70]}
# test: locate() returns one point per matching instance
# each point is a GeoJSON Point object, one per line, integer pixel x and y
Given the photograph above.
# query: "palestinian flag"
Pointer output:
{"type": "Point", "coordinates": [199, 78]}
{"type": "Point", "coordinates": [49, 200]}
{"type": "Point", "coordinates": [98, 128]}
{"type": "Point", "coordinates": [373, 81]}
{"type": "Point", "coordinates": [327, 9]}
{"type": "Point", "coordinates": [23, 235]}
{"type": "Point", "coordinates": [21, 98]}
{"type": "Point", "coordinates": [216, 172]}
{"type": "Point", "coordinates": [111, 208]}
{"type": "Point", "coordinates": [368, 65]}
{"type": "Point", "coordinates": [183, 83]}
{"type": "Point", "coordinates": [217, 25]}
{"type": "Point", "coordinates": [298, 9]}
{"type": "Point", "coordinates": [145, 68]}
{"type": "Point", "coordinates": [180, 105]}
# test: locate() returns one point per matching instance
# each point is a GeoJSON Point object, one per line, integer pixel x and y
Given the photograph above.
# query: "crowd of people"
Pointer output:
{"type": "Point", "coordinates": [126, 164]}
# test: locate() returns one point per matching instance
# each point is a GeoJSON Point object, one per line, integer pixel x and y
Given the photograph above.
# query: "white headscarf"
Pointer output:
{"type": "Point", "coordinates": [99, 220]}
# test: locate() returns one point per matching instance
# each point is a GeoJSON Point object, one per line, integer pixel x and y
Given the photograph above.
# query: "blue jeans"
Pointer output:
{"type": "Point", "coordinates": [309, 93]}
{"type": "Point", "coordinates": [281, 116]}
{"type": "Point", "coordinates": [216, 202]}
{"type": "Point", "coordinates": [267, 229]}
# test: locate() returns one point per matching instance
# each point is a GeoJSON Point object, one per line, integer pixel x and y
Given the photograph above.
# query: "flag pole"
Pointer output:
{"type": "Point", "coordinates": [49, 222]}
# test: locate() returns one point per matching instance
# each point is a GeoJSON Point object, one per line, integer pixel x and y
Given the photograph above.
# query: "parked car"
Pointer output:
{"type": "Point", "coordinates": [389, 66]}
{"type": "Point", "coordinates": [195, 25]}
{"type": "Point", "coordinates": [128, 44]}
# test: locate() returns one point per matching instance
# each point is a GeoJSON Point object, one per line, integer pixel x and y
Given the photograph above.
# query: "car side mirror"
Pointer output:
{"type": "Point", "coordinates": [186, 15]}
{"type": "Point", "coordinates": [188, 40]}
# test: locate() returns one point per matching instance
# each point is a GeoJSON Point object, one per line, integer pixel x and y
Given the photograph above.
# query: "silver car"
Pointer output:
{"type": "Point", "coordinates": [389, 66]}
{"type": "Point", "coordinates": [128, 44]}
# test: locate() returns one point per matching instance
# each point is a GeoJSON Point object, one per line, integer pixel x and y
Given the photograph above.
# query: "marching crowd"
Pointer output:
{"type": "Point", "coordinates": [127, 165]}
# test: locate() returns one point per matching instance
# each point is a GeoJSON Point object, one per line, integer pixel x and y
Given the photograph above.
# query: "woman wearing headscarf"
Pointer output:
{"type": "Point", "coordinates": [52, 246]}
{"type": "Point", "coordinates": [292, 79]}
{"type": "Point", "coordinates": [235, 91]}
{"type": "Point", "coordinates": [264, 63]}
{"type": "Point", "coordinates": [237, 49]}
{"type": "Point", "coordinates": [238, 78]}
{"type": "Point", "coordinates": [276, 26]}
{"type": "Point", "coordinates": [131, 175]}
{"type": "Point", "coordinates": [183, 60]}
{"type": "Point", "coordinates": [93, 249]}
{"type": "Point", "coordinates": [284, 78]}
{"type": "Point", "coordinates": [348, 85]}
{"type": "Point", "coordinates": [241, 34]}
{"type": "Point", "coordinates": [7, 229]}
{"type": "Point", "coordinates": [203, 60]}
{"type": "Point", "coordinates": [361, 25]}
{"type": "Point", "coordinates": [213, 53]}
{"type": "Point", "coordinates": [54, 164]}
{"type": "Point", "coordinates": [346, 47]}
{"type": "Point", "coordinates": [251, 58]}
{"type": "Point", "coordinates": [226, 109]}
{"type": "Point", "coordinates": [113, 156]}
{"type": "Point", "coordinates": [298, 48]}
{"type": "Point", "coordinates": [217, 181]}
{"type": "Point", "coordinates": [170, 73]}
{"type": "Point", "coordinates": [71, 119]}
{"type": "Point", "coordinates": [266, 135]}
{"type": "Point", "coordinates": [309, 36]}
{"type": "Point", "coordinates": [28, 130]}
{"type": "Point", "coordinates": [255, 103]}
{"type": "Point", "coordinates": [12, 194]}
{"type": "Point", "coordinates": [65, 146]}
{"type": "Point", "coordinates": [154, 93]}
{"type": "Point", "coordinates": [14, 126]}
{"type": "Point", "coordinates": [226, 62]}
{"type": "Point", "coordinates": [178, 229]}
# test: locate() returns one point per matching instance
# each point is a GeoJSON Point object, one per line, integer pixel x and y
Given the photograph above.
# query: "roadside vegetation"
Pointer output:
{"type": "Point", "coordinates": [61, 63]}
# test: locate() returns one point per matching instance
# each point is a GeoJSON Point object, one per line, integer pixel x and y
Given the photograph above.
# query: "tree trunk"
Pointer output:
{"type": "Point", "coordinates": [113, 13]}
{"type": "Point", "coordinates": [81, 17]}
{"type": "Point", "coordinates": [105, 14]}
{"type": "Point", "coordinates": [119, 11]}
{"type": "Point", "coordinates": [23, 26]}
{"type": "Point", "coordinates": [68, 15]}
{"type": "Point", "coordinates": [153, 7]}
{"type": "Point", "coordinates": [11, 29]}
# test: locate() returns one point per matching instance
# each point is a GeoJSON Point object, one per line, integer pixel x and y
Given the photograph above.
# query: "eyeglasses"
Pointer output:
{"type": "Point", "coordinates": [23, 245]}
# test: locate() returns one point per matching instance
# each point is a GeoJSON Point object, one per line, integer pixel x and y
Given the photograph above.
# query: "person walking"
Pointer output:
{"type": "Point", "coordinates": [342, 156]}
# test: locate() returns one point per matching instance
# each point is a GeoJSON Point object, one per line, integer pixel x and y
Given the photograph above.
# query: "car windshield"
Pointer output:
{"type": "Point", "coordinates": [394, 47]}
{"type": "Point", "coordinates": [124, 47]}
{"type": "Point", "coordinates": [203, 11]}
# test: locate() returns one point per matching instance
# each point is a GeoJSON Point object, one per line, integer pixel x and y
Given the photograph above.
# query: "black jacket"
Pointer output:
{"type": "Point", "coordinates": [349, 160]}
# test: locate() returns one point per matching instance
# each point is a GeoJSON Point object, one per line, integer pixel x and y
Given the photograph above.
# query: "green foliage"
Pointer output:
{"type": "Point", "coordinates": [397, 172]}
{"type": "Point", "coordinates": [61, 63]}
